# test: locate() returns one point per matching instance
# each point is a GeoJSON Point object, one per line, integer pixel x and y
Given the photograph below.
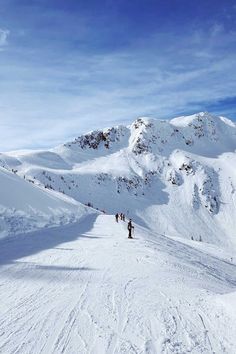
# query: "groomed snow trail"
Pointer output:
{"type": "Point", "coordinates": [85, 288]}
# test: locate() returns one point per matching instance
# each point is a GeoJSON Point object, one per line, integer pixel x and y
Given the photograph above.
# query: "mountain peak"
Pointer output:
{"type": "Point", "coordinates": [147, 168]}
{"type": "Point", "coordinates": [184, 121]}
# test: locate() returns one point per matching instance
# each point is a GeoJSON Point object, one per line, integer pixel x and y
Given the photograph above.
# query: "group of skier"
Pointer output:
{"type": "Point", "coordinates": [130, 226]}
{"type": "Point", "coordinates": [120, 216]}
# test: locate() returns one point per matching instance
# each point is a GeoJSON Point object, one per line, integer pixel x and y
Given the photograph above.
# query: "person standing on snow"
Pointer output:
{"type": "Point", "coordinates": [117, 217]}
{"type": "Point", "coordinates": [130, 228]}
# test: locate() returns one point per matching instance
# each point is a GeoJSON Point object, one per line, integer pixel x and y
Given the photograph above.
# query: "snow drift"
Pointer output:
{"type": "Point", "coordinates": [25, 207]}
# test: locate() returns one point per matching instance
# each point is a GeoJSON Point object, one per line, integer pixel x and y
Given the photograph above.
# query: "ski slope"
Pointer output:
{"type": "Point", "coordinates": [85, 288]}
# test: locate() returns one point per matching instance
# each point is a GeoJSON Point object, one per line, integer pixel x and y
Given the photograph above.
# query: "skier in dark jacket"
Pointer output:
{"type": "Point", "coordinates": [130, 228]}
{"type": "Point", "coordinates": [117, 217]}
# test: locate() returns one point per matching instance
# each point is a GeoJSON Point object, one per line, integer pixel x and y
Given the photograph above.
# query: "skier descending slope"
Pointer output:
{"type": "Point", "coordinates": [130, 228]}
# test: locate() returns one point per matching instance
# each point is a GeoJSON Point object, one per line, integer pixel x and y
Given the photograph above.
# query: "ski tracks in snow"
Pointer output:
{"type": "Point", "coordinates": [102, 293]}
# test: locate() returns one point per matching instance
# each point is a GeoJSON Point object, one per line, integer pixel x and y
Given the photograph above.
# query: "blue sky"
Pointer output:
{"type": "Point", "coordinates": [70, 66]}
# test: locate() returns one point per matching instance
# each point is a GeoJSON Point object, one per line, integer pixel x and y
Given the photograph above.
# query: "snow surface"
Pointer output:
{"type": "Point", "coordinates": [71, 281]}
{"type": "Point", "coordinates": [85, 288]}
{"type": "Point", "coordinates": [25, 207]}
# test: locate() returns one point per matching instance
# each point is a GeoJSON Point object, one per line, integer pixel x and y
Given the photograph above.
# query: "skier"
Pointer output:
{"type": "Point", "coordinates": [123, 217]}
{"type": "Point", "coordinates": [117, 217]}
{"type": "Point", "coordinates": [130, 227]}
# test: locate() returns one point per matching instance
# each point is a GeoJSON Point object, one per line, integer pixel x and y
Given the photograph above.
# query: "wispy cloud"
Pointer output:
{"type": "Point", "coordinates": [73, 71]}
{"type": "Point", "coordinates": [4, 34]}
{"type": "Point", "coordinates": [216, 29]}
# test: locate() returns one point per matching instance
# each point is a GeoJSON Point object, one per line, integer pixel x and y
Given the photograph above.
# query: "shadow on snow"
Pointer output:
{"type": "Point", "coordinates": [31, 243]}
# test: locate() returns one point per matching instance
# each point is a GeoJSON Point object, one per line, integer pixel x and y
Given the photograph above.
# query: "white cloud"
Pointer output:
{"type": "Point", "coordinates": [4, 34]}
{"type": "Point", "coordinates": [217, 29]}
{"type": "Point", "coordinates": [44, 104]}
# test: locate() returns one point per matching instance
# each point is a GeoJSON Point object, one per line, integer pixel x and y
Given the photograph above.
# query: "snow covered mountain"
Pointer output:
{"type": "Point", "coordinates": [75, 284]}
{"type": "Point", "coordinates": [175, 176]}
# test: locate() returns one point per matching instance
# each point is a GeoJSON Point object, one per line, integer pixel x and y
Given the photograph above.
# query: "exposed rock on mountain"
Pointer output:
{"type": "Point", "coordinates": [176, 176]}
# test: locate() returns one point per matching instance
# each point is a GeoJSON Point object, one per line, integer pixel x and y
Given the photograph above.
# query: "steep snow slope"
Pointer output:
{"type": "Point", "coordinates": [88, 289]}
{"type": "Point", "coordinates": [177, 177]}
{"type": "Point", "coordinates": [25, 206]}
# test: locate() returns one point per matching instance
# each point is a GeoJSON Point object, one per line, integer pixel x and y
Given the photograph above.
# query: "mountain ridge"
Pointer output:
{"type": "Point", "coordinates": [159, 172]}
